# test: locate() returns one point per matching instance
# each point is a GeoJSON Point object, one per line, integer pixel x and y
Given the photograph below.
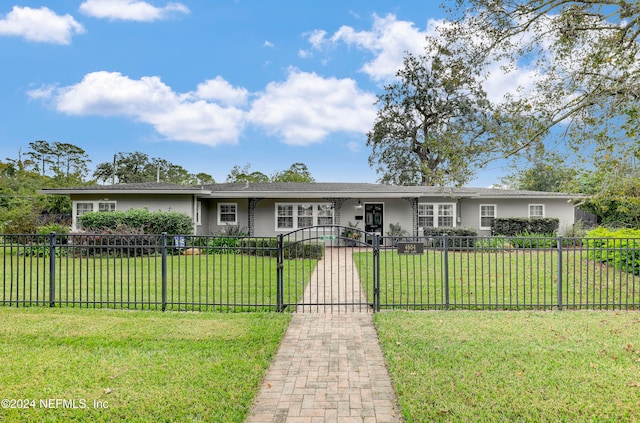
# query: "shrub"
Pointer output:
{"type": "Point", "coordinates": [512, 226]}
{"type": "Point", "coordinates": [534, 240]}
{"type": "Point", "coordinates": [173, 223]}
{"type": "Point", "coordinates": [459, 237]}
{"type": "Point", "coordinates": [292, 250]}
{"type": "Point", "coordinates": [619, 248]}
{"type": "Point", "coordinates": [122, 241]}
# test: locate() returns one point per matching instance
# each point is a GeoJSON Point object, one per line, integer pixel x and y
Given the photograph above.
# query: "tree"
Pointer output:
{"type": "Point", "coordinates": [549, 172]}
{"type": "Point", "coordinates": [298, 172]}
{"type": "Point", "coordinates": [70, 160]}
{"type": "Point", "coordinates": [202, 179]}
{"type": "Point", "coordinates": [586, 55]}
{"type": "Point", "coordinates": [244, 174]}
{"type": "Point", "coordinates": [432, 125]}
{"type": "Point", "coordinates": [137, 167]}
{"type": "Point", "coordinates": [41, 154]}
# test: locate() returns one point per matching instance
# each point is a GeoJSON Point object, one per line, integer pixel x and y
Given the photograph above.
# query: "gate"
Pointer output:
{"type": "Point", "coordinates": [328, 269]}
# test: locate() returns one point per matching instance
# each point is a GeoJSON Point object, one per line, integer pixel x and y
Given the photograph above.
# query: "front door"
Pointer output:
{"type": "Point", "coordinates": [373, 222]}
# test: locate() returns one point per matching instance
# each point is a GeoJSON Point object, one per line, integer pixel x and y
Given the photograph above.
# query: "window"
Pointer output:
{"type": "Point", "coordinates": [227, 214]}
{"type": "Point", "coordinates": [425, 215]}
{"type": "Point", "coordinates": [82, 207]}
{"type": "Point", "coordinates": [302, 215]}
{"type": "Point", "coordinates": [487, 214]}
{"type": "Point", "coordinates": [536, 210]}
{"type": "Point", "coordinates": [445, 215]}
{"type": "Point", "coordinates": [198, 213]}
{"type": "Point", "coordinates": [325, 214]}
{"type": "Point", "coordinates": [436, 215]}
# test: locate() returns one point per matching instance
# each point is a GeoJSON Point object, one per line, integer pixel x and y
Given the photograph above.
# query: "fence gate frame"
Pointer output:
{"type": "Point", "coordinates": [335, 240]}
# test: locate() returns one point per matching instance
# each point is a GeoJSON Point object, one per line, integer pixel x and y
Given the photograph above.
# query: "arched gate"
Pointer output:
{"type": "Point", "coordinates": [328, 269]}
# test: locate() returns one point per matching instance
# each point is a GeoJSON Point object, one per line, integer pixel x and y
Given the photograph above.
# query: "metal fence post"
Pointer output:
{"type": "Point", "coordinates": [445, 267]}
{"type": "Point", "coordinates": [164, 270]}
{"type": "Point", "coordinates": [559, 245]}
{"type": "Point", "coordinates": [376, 272]}
{"type": "Point", "coordinates": [52, 269]}
{"type": "Point", "coordinates": [280, 275]}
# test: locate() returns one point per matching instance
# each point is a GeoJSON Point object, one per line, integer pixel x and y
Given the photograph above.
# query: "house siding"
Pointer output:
{"type": "Point", "coordinates": [151, 202]}
{"type": "Point", "coordinates": [469, 211]}
{"type": "Point", "coordinates": [256, 203]}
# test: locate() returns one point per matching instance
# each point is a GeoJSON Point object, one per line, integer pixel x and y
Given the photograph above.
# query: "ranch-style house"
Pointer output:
{"type": "Point", "coordinates": [267, 209]}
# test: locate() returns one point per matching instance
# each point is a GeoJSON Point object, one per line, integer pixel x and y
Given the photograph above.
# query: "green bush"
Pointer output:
{"type": "Point", "coordinates": [534, 240]}
{"type": "Point", "coordinates": [173, 223]}
{"type": "Point", "coordinates": [459, 237]}
{"type": "Point", "coordinates": [619, 248]}
{"type": "Point", "coordinates": [122, 241]}
{"type": "Point", "coordinates": [512, 226]}
{"type": "Point", "coordinates": [292, 250]}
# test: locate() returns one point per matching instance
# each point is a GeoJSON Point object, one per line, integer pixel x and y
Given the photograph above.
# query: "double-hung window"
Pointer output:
{"type": "Point", "coordinates": [431, 215]}
{"type": "Point", "coordinates": [227, 214]}
{"type": "Point", "coordinates": [302, 215]}
{"type": "Point", "coordinates": [536, 210]}
{"type": "Point", "coordinates": [82, 207]}
{"type": "Point", "coordinates": [487, 214]}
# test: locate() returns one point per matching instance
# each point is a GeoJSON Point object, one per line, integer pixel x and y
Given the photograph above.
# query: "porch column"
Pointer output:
{"type": "Point", "coordinates": [413, 201]}
{"type": "Point", "coordinates": [336, 203]}
{"type": "Point", "coordinates": [251, 218]}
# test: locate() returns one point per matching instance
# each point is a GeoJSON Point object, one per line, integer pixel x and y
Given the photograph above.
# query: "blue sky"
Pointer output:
{"type": "Point", "coordinates": [208, 84]}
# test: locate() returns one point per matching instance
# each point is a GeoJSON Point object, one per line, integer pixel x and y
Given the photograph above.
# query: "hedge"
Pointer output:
{"type": "Point", "coordinates": [460, 237]}
{"type": "Point", "coordinates": [513, 226]}
{"type": "Point", "coordinates": [620, 248]}
{"type": "Point", "coordinates": [149, 222]}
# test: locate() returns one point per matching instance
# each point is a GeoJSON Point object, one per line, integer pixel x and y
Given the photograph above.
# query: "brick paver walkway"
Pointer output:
{"type": "Point", "coordinates": [329, 367]}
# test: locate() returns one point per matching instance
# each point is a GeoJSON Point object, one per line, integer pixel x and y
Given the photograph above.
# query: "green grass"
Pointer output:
{"type": "Point", "coordinates": [219, 281]}
{"type": "Point", "coordinates": [518, 278]}
{"type": "Point", "coordinates": [577, 366]}
{"type": "Point", "coordinates": [144, 366]}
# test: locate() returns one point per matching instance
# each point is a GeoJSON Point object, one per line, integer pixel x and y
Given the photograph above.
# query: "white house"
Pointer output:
{"type": "Point", "coordinates": [267, 209]}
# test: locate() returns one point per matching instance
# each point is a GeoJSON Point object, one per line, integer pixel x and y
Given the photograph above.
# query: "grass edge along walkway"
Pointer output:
{"type": "Point", "coordinates": [578, 366]}
{"type": "Point", "coordinates": [106, 365]}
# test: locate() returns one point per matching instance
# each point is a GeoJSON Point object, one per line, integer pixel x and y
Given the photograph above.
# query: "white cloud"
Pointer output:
{"type": "Point", "coordinates": [41, 25]}
{"type": "Point", "coordinates": [389, 40]}
{"type": "Point", "coordinates": [268, 43]}
{"type": "Point", "coordinates": [306, 108]}
{"type": "Point", "coordinates": [185, 117]}
{"type": "Point", "coordinates": [131, 10]}
{"type": "Point", "coordinates": [317, 38]}
{"type": "Point", "coordinates": [220, 90]}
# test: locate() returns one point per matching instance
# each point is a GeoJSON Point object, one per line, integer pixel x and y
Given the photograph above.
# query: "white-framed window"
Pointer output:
{"type": "Point", "coordinates": [425, 216]}
{"type": "Point", "coordinates": [291, 216]}
{"type": "Point", "coordinates": [487, 214]}
{"type": "Point", "coordinates": [82, 207]}
{"type": "Point", "coordinates": [536, 210]}
{"type": "Point", "coordinates": [325, 214]}
{"type": "Point", "coordinates": [227, 213]}
{"type": "Point", "coordinates": [432, 215]}
{"type": "Point", "coordinates": [198, 213]}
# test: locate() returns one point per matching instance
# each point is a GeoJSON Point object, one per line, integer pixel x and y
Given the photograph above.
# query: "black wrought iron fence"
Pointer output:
{"type": "Point", "coordinates": [139, 271]}
{"type": "Point", "coordinates": [251, 273]}
{"type": "Point", "coordinates": [527, 272]}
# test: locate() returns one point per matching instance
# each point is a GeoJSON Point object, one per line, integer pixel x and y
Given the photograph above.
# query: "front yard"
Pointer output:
{"type": "Point", "coordinates": [61, 365]}
{"type": "Point", "coordinates": [68, 364]}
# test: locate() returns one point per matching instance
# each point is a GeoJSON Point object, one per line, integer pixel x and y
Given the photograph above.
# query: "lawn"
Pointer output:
{"type": "Point", "coordinates": [144, 366]}
{"type": "Point", "coordinates": [579, 366]}
{"type": "Point", "coordinates": [228, 282]}
{"type": "Point", "coordinates": [498, 279]}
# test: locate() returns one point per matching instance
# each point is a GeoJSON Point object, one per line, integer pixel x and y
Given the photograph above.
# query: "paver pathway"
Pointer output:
{"type": "Point", "coordinates": [329, 367]}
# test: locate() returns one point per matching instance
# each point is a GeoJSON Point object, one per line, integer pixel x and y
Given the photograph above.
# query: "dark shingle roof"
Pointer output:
{"type": "Point", "coordinates": [308, 190]}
